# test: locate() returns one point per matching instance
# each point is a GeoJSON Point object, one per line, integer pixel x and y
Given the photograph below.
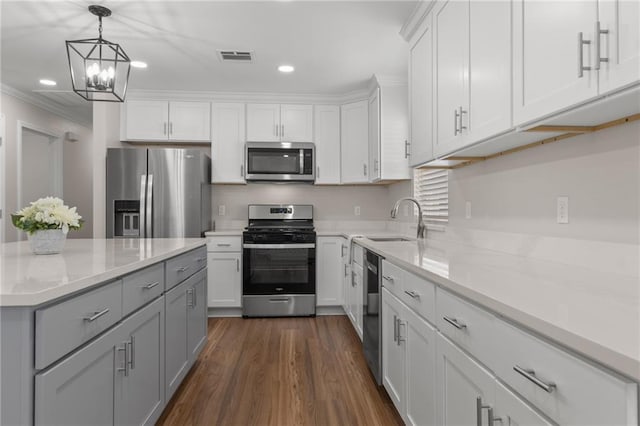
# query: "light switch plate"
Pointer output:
{"type": "Point", "coordinates": [563, 210]}
{"type": "Point", "coordinates": [356, 210]}
{"type": "Point", "coordinates": [467, 209]}
{"type": "Point", "coordinates": [222, 210]}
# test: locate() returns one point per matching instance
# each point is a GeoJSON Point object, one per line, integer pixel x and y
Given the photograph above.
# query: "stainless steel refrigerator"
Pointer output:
{"type": "Point", "coordinates": [158, 193]}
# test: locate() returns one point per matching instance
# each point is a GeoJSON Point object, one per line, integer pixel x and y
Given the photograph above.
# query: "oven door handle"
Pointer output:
{"type": "Point", "coordinates": [279, 246]}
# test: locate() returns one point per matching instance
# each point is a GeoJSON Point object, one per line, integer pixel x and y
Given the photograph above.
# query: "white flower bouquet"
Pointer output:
{"type": "Point", "coordinates": [47, 213]}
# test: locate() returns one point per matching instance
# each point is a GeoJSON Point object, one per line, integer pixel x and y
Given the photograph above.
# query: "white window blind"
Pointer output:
{"type": "Point", "coordinates": [431, 189]}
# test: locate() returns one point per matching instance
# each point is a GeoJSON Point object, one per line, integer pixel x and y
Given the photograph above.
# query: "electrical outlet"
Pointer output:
{"type": "Point", "coordinates": [467, 209]}
{"type": "Point", "coordinates": [356, 210]}
{"type": "Point", "coordinates": [222, 210]}
{"type": "Point", "coordinates": [563, 209]}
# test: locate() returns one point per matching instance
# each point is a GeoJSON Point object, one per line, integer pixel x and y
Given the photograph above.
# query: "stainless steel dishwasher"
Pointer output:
{"type": "Point", "coordinates": [371, 319]}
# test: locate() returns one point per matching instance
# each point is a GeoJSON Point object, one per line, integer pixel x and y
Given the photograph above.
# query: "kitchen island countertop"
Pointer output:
{"type": "Point", "coordinates": [30, 280]}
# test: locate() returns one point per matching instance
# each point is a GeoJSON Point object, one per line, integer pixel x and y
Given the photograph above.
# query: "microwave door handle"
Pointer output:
{"type": "Point", "coordinates": [149, 211]}
{"type": "Point", "coordinates": [301, 161]}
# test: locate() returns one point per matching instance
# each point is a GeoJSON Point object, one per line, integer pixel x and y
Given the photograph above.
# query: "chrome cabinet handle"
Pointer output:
{"type": "Point", "coordinates": [413, 294]}
{"type": "Point", "coordinates": [164, 130]}
{"type": "Point", "coordinates": [182, 269]}
{"type": "Point", "coordinates": [280, 300]}
{"type": "Point", "coordinates": [171, 128]}
{"type": "Point", "coordinates": [345, 270]}
{"type": "Point", "coordinates": [342, 248]}
{"type": "Point", "coordinates": [531, 376]}
{"type": "Point", "coordinates": [406, 149]}
{"type": "Point", "coordinates": [400, 338]}
{"type": "Point", "coordinates": [132, 353]}
{"type": "Point", "coordinates": [454, 322]}
{"type": "Point", "coordinates": [491, 418]}
{"type": "Point", "coordinates": [237, 265]}
{"type": "Point", "coordinates": [318, 171]}
{"type": "Point", "coordinates": [150, 286]}
{"type": "Point", "coordinates": [479, 408]}
{"type": "Point", "coordinates": [364, 168]}
{"type": "Point", "coordinates": [353, 278]}
{"type": "Point", "coordinates": [96, 315]}
{"type": "Point", "coordinates": [581, 43]}
{"type": "Point", "coordinates": [599, 32]}
{"type": "Point", "coordinates": [201, 259]}
{"type": "Point", "coordinates": [241, 170]}
{"type": "Point", "coordinates": [388, 278]}
{"type": "Point", "coordinates": [190, 298]}
{"type": "Point", "coordinates": [223, 245]}
{"type": "Point", "coordinates": [455, 122]}
{"type": "Point", "coordinates": [375, 166]}
{"type": "Point", "coordinates": [276, 127]}
{"type": "Point", "coordinates": [395, 328]}
{"type": "Point", "coordinates": [282, 130]}
{"type": "Point", "coordinates": [125, 348]}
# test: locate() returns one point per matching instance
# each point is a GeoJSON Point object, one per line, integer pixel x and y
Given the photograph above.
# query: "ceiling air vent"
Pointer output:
{"type": "Point", "coordinates": [235, 56]}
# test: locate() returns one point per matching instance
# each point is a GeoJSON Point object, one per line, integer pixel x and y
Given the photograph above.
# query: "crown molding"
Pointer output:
{"type": "Point", "coordinates": [416, 18]}
{"type": "Point", "coordinates": [39, 102]}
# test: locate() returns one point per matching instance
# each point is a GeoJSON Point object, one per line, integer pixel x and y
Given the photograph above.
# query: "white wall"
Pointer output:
{"type": "Point", "coordinates": [76, 159]}
{"type": "Point", "coordinates": [599, 172]}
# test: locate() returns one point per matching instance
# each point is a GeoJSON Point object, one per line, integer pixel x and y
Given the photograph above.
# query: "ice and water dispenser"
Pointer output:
{"type": "Point", "coordinates": [127, 218]}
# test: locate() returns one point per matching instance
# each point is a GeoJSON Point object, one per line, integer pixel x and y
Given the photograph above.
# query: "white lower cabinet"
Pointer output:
{"type": "Point", "coordinates": [225, 280]}
{"type": "Point", "coordinates": [329, 271]}
{"type": "Point", "coordinates": [408, 357]}
{"type": "Point", "coordinates": [356, 297]}
{"type": "Point", "coordinates": [117, 379]}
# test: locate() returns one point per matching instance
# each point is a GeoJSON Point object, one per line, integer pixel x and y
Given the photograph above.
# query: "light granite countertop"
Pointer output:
{"type": "Point", "coordinates": [27, 279]}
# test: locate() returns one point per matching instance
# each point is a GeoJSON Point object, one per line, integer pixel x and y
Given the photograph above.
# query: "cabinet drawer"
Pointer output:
{"type": "Point", "coordinates": [183, 266]}
{"type": "Point", "coordinates": [141, 287]}
{"type": "Point", "coordinates": [63, 327]}
{"type": "Point", "coordinates": [224, 244]}
{"type": "Point", "coordinates": [392, 278]}
{"type": "Point", "coordinates": [567, 389]}
{"type": "Point", "coordinates": [467, 325]}
{"type": "Point", "coordinates": [420, 295]}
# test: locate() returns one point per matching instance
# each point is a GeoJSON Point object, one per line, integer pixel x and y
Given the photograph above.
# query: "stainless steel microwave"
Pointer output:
{"type": "Point", "coordinates": [280, 162]}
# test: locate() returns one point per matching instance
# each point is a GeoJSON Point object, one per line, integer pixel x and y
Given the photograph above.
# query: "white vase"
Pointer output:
{"type": "Point", "coordinates": [47, 241]}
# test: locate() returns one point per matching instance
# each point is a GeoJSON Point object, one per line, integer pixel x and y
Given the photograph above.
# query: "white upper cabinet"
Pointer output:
{"type": "Point", "coordinates": [472, 72]}
{"type": "Point", "coordinates": [227, 143]}
{"type": "Point", "coordinates": [619, 43]}
{"type": "Point", "coordinates": [374, 136]}
{"type": "Point", "coordinates": [162, 121]}
{"type": "Point", "coordinates": [275, 122]}
{"type": "Point", "coordinates": [421, 95]}
{"type": "Point", "coordinates": [552, 69]}
{"type": "Point", "coordinates": [355, 142]}
{"type": "Point", "coordinates": [327, 140]}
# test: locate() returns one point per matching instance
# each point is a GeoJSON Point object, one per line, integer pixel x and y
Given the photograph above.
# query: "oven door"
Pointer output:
{"type": "Point", "coordinates": [279, 269]}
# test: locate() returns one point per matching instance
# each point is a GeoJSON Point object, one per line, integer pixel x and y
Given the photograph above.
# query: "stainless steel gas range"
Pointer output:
{"type": "Point", "coordinates": [279, 261]}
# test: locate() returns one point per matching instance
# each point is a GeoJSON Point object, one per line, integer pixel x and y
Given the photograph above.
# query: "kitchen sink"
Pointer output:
{"type": "Point", "coordinates": [388, 239]}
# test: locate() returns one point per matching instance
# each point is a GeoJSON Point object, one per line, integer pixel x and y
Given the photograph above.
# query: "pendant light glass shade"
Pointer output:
{"type": "Point", "coordinates": [99, 68]}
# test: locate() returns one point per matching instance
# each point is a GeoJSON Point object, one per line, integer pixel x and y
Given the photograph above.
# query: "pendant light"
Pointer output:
{"type": "Point", "coordinates": [99, 68]}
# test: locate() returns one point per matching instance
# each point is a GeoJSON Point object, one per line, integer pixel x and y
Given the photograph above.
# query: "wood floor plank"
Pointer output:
{"type": "Point", "coordinates": [279, 372]}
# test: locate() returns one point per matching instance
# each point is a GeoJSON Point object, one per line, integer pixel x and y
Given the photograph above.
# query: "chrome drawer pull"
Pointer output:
{"type": "Point", "coordinates": [390, 279]}
{"type": "Point", "coordinates": [96, 315]}
{"type": "Point", "coordinates": [125, 348]}
{"type": "Point", "coordinates": [413, 294]}
{"type": "Point", "coordinates": [182, 269]}
{"type": "Point", "coordinates": [223, 245]}
{"type": "Point", "coordinates": [531, 376]}
{"type": "Point", "coordinates": [190, 300]}
{"type": "Point", "coordinates": [454, 322]}
{"type": "Point", "coordinates": [150, 286]}
{"type": "Point", "coordinates": [284, 300]}
{"type": "Point", "coordinates": [395, 328]}
{"type": "Point", "coordinates": [132, 353]}
{"type": "Point", "coordinates": [201, 259]}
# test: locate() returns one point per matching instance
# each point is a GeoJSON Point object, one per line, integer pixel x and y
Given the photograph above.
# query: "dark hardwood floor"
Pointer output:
{"type": "Point", "coordinates": [281, 371]}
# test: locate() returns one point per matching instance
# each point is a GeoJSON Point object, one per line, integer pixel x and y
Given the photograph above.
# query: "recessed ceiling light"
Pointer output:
{"type": "Point", "coordinates": [285, 68]}
{"type": "Point", "coordinates": [46, 82]}
{"type": "Point", "coordinates": [138, 64]}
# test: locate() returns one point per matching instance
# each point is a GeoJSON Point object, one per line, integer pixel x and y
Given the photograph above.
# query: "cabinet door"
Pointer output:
{"type": "Point", "coordinates": [490, 69]}
{"type": "Point", "coordinates": [224, 279]}
{"type": "Point", "coordinates": [451, 43]}
{"type": "Point", "coordinates": [421, 96]}
{"type": "Point", "coordinates": [329, 271]}
{"type": "Point", "coordinates": [296, 123]}
{"type": "Point", "coordinates": [197, 315]}
{"type": "Point", "coordinates": [176, 356]}
{"type": "Point", "coordinates": [393, 350]}
{"type": "Point", "coordinates": [263, 122]}
{"type": "Point", "coordinates": [190, 121]}
{"type": "Point", "coordinates": [227, 143]}
{"type": "Point", "coordinates": [327, 140]}
{"type": "Point", "coordinates": [80, 389]}
{"type": "Point", "coordinates": [354, 137]}
{"type": "Point", "coordinates": [374, 136]}
{"type": "Point", "coordinates": [547, 56]}
{"type": "Point", "coordinates": [621, 45]}
{"type": "Point", "coordinates": [146, 120]}
{"type": "Point", "coordinates": [512, 411]}
{"type": "Point", "coordinates": [358, 297]}
{"type": "Point", "coordinates": [139, 396]}
{"type": "Point", "coordinates": [420, 361]}
{"type": "Point", "coordinates": [462, 384]}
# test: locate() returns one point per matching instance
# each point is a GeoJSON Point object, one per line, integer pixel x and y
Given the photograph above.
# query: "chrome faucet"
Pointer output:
{"type": "Point", "coordinates": [422, 229]}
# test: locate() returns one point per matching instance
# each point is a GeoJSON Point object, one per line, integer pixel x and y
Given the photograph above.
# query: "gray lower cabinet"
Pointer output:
{"type": "Point", "coordinates": [117, 379]}
{"type": "Point", "coordinates": [186, 328]}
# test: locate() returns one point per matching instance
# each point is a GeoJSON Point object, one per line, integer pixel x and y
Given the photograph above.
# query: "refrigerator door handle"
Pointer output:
{"type": "Point", "coordinates": [149, 208]}
{"type": "Point", "coordinates": [143, 205]}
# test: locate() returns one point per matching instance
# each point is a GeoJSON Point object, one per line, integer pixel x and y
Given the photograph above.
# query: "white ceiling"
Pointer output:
{"type": "Point", "coordinates": [335, 45]}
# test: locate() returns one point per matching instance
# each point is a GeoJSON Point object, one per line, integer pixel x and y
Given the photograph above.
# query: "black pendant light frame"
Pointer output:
{"type": "Point", "coordinates": [99, 50]}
